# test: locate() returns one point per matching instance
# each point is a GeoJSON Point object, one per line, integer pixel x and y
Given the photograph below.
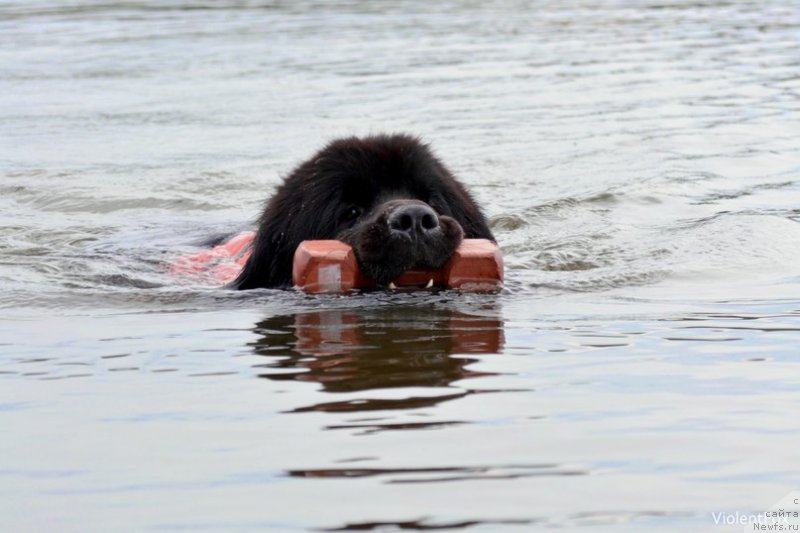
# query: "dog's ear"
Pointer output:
{"type": "Point", "coordinates": [301, 208]}
{"type": "Point", "coordinates": [458, 203]}
{"type": "Point", "coordinates": [271, 253]}
{"type": "Point", "coordinates": [270, 264]}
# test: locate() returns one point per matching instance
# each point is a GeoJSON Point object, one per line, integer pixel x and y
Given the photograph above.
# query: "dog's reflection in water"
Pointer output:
{"type": "Point", "coordinates": [351, 350]}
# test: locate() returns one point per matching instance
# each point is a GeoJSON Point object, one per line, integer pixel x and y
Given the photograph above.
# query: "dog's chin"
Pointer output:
{"type": "Point", "coordinates": [383, 255]}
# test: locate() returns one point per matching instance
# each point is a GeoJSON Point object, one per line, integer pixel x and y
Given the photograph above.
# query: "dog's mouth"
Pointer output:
{"type": "Point", "coordinates": [402, 235]}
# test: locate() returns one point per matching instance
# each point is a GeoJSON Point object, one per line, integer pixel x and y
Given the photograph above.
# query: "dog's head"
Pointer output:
{"type": "Point", "coordinates": [387, 196]}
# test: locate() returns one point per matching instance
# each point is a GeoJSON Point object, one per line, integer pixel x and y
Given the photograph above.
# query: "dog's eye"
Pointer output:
{"type": "Point", "coordinates": [351, 214]}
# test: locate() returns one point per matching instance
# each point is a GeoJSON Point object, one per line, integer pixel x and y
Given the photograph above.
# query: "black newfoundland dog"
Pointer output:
{"type": "Point", "coordinates": [387, 196]}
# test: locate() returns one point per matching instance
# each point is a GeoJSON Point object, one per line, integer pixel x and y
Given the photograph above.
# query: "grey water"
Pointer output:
{"type": "Point", "coordinates": [640, 165]}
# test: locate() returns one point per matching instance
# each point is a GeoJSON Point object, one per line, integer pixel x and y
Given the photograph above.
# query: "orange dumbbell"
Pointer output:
{"type": "Point", "coordinates": [331, 267]}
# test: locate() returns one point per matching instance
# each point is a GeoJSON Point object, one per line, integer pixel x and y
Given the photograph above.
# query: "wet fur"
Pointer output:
{"type": "Point", "coordinates": [366, 175]}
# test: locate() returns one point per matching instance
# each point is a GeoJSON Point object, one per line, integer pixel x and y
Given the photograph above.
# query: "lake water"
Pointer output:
{"type": "Point", "coordinates": [640, 165]}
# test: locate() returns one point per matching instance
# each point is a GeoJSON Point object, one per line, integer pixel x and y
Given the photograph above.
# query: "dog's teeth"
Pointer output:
{"type": "Point", "coordinates": [430, 284]}
{"type": "Point", "coordinates": [392, 285]}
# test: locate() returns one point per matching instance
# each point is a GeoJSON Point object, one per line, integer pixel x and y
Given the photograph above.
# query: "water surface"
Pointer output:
{"type": "Point", "coordinates": [639, 164]}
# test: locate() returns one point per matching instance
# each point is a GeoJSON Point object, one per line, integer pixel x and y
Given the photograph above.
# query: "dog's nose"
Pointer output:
{"type": "Point", "coordinates": [413, 219]}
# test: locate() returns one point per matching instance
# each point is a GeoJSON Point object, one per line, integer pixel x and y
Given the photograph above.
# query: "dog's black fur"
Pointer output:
{"type": "Point", "coordinates": [387, 196]}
